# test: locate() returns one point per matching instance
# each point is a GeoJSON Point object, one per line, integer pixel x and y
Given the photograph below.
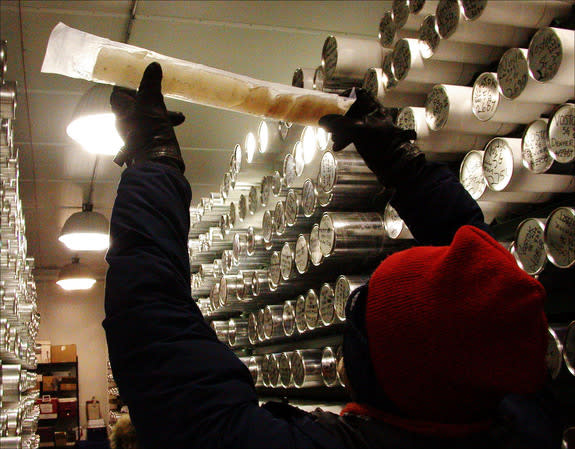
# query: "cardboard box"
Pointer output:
{"type": "Point", "coordinates": [60, 438]}
{"type": "Point", "coordinates": [68, 384]}
{"type": "Point", "coordinates": [43, 351]}
{"type": "Point", "coordinates": [48, 407]}
{"type": "Point", "coordinates": [93, 409]}
{"type": "Point", "coordinates": [49, 383]}
{"type": "Point", "coordinates": [63, 353]}
{"type": "Point", "coordinates": [68, 407]}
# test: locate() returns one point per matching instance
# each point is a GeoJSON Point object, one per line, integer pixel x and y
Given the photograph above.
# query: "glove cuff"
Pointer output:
{"type": "Point", "coordinates": [169, 154]}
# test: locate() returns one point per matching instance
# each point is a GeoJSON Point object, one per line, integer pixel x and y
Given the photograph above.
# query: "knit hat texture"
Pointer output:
{"type": "Point", "coordinates": [453, 329]}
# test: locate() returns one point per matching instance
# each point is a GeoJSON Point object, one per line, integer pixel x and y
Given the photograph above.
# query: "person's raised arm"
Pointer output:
{"type": "Point", "coordinates": [428, 196]}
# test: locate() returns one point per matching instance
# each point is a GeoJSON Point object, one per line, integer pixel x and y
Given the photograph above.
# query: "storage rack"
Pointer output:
{"type": "Point", "coordinates": [19, 316]}
{"type": "Point", "coordinates": [258, 247]}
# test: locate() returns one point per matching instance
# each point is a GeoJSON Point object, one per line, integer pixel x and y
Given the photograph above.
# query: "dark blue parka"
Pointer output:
{"type": "Point", "coordinates": [184, 388]}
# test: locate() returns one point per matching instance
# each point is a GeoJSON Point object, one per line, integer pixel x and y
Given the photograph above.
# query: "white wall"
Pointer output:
{"type": "Point", "coordinates": [76, 318]}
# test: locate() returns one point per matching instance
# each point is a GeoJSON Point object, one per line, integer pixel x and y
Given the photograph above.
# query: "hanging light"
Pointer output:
{"type": "Point", "coordinates": [75, 276]}
{"type": "Point", "coordinates": [93, 124]}
{"type": "Point", "coordinates": [86, 231]}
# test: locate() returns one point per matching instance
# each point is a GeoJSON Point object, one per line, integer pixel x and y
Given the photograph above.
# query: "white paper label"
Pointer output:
{"type": "Point", "coordinates": [300, 314]}
{"type": "Point", "coordinates": [393, 222]}
{"type": "Point", "coordinates": [497, 164]}
{"type": "Point", "coordinates": [311, 310]}
{"type": "Point", "coordinates": [485, 97]}
{"type": "Point", "coordinates": [291, 206]}
{"type": "Point", "coordinates": [275, 269]}
{"type": "Point", "coordinates": [289, 169]}
{"type": "Point", "coordinates": [288, 318]}
{"type": "Point", "coordinates": [447, 14]}
{"type": "Point", "coordinates": [386, 30]}
{"type": "Point", "coordinates": [301, 254]}
{"type": "Point", "coordinates": [285, 370]}
{"type": "Point", "coordinates": [326, 176]}
{"type": "Point", "coordinates": [326, 235]}
{"type": "Point", "coordinates": [401, 59]}
{"type": "Point", "coordinates": [428, 37]}
{"type": "Point", "coordinates": [286, 261]}
{"type": "Point", "coordinates": [267, 226]}
{"type": "Point", "coordinates": [326, 304]}
{"type": "Point", "coordinates": [243, 207]}
{"type": "Point", "coordinates": [253, 200]}
{"type": "Point", "coordinates": [562, 134]}
{"type": "Point", "coordinates": [329, 56]}
{"type": "Point", "coordinates": [472, 9]}
{"type": "Point", "coordinates": [308, 198]}
{"type": "Point", "coordinates": [529, 246]}
{"type": "Point", "coordinates": [561, 236]}
{"type": "Point", "coordinates": [471, 175]}
{"type": "Point", "coordinates": [314, 246]}
{"type": "Point", "coordinates": [534, 151]}
{"type": "Point", "coordinates": [297, 370]}
{"type": "Point", "coordinates": [279, 218]}
{"type": "Point", "coordinates": [400, 13]}
{"type": "Point", "coordinates": [342, 292]}
{"type": "Point", "coordinates": [512, 73]}
{"type": "Point", "coordinates": [437, 108]}
{"type": "Point", "coordinates": [545, 54]}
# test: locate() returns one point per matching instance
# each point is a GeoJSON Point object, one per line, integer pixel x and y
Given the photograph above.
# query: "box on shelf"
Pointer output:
{"type": "Point", "coordinates": [48, 407]}
{"type": "Point", "coordinates": [68, 407]}
{"type": "Point", "coordinates": [43, 351]}
{"type": "Point", "coordinates": [63, 353]}
{"type": "Point", "coordinates": [93, 409]}
{"type": "Point", "coordinates": [60, 438]}
{"type": "Point", "coordinates": [69, 384]}
{"type": "Point", "coordinates": [46, 434]}
{"type": "Point", "coordinates": [97, 430]}
{"type": "Point", "coordinates": [49, 383]}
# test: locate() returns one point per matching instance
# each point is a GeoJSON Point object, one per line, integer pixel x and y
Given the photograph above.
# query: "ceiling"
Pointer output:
{"type": "Point", "coordinates": [266, 40]}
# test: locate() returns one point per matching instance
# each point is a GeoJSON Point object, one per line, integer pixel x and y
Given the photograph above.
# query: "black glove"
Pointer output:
{"type": "Point", "coordinates": [145, 124]}
{"type": "Point", "coordinates": [385, 148]}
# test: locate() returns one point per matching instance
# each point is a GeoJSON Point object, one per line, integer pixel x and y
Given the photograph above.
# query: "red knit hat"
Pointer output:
{"type": "Point", "coordinates": [453, 329]}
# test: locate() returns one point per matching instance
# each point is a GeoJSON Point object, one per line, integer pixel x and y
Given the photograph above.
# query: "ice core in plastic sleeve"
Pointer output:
{"type": "Point", "coordinates": [77, 54]}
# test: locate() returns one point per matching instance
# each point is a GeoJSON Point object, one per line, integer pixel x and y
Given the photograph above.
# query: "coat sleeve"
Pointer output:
{"type": "Point", "coordinates": [183, 387]}
{"type": "Point", "coordinates": [434, 205]}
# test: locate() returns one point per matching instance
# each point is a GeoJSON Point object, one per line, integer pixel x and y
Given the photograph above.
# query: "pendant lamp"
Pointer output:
{"type": "Point", "coordinates": [76, 276]}
{"type": "Point", "coordinates": [86, 230]}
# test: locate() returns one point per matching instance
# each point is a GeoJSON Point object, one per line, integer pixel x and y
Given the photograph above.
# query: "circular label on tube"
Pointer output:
{"type": "Point", "coordinates": [285, 369]}
{"type": "Point", "coordinates": [288, 319]}
{"type": "Point", "coordinates": [250, 147]}
{"type": "Point", "coordinates": [315, 254]}
{"type": "Point", "coordinates": [529, 247]}
{"type": "Point", "coordinates": [301, 254]}
{"type": "Point", "coordinates": [309, 144]}
{"type": "Point", "coordinates": [328, 367]}
{"type": "Point", "coordinates": [401, 59]}
{"type": "Point", "coordinates": [485, 96]}
{"type": "Point", "coordinates": [289, 170]}
{"type": "Point", "coordinates": [471, 174]}
{"type": "Point", "coordinates": [472, 9]}
{"type": "Point", "coordinates": [327, 172]}
{"type": "Point", "coordinates": [323, 138]}
{"type": "Point", "coordinates": [415, 6]}
{"type": "Point", "coordinates": [400, 12]}
{"type": "Point", "coordinates": [428, 37]}
{"type": "Point", "coordinates": [326, 235]}
{"type": "Point", "coordinates": [553, 354]}
{"type": "Point", "coordinates": [326, 304]}
{"type": "Point", "coordinates": [284, 128]}
{"type": "Point", "coordinates": [561, 134]}
{"type": "Point", "coordinates": [297, 369]}
{"type": "Point", "coordinates": [253, 200]}
{"type": "Point", "coordinates": [297, 79]}
{"type": "Point", "coordinates": [299, 158]}
{"type": "Point", "coordinates": [512, 73]}
{"type": "Point", "coordinates": [252, 329]}
{"type": "Point", "coordinates": [276, 182]}
{"type": "Point", "coordinates": [268, 323]}
{"type": "Point", "coordinates": [286, 261]}
{"type": "Point", "coordinates": [386, 33]}
{"type": "Point", "coordinates": [274, 370]}
{"type": "Point", "coordinates": [267, 226]}
{"type": "Point", "coordinates": [389, 80]}
{"type": "Point", "coordinates": [342, 292]}
{"type": "Point", "coordinates": [263, 136]}
{"type": "Point", "coordinates": [406, 119]}
{"type": "Point", "coordinates": [279, 218]}
{"type": "Point", "coordinates": [291, 208]}
{"type": "Point", "coordinates": [274, 271]}
{"type": "Point", "coordinates": [545, 54]}
{"type": "Point", "coordinates": [437, 108]}
{"type": "Point", "coordinates": [371, 83]}
{"type": "Point", "coordinates": [265, 190]}
{"type": "Point", "coordinates": [534, 151]}
{"type": "Point", "coordinates": [559, 237]}
{"type": "Point", "coordinates": [311, 310]}
{"type": "Point", "coordinates": [232, 216]}
{"type": "Point", "coordinates": [243, 207]}
{"type": "Point", "coordinates": [238, 158]}
{"type": "Point", "coordinates": [497, 164]}
{"type": "Point", "coordinates": [329, 56]}
{"type": "Point", "coordinates": [308, 198]}
{"type": "Point", "coordinates": [447, 16]}
{"type": "Point", "coordinates": [300, 314]}
{"type": "Point", "coordinates": [392, 222]}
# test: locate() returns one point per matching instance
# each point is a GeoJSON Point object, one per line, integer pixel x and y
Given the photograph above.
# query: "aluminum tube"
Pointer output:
{"type": "Point", "coordinates": [339, 359]}
{"type": "Point", "coordinates": [221, 330]}
{"type": "Point", "coordinates": [295, 218]}
{"type": "Point", "coordinates": [263, 288]}
{"type": "Point", "coordinates": [301, 254]}
{"type": "Point", "coordinates": [437, 141]}
{"type": "Point", "coordinates": [255, 368]}
{"type": "Point", "coordinates": [265, 370]}
{"type": "Point", "coordinates": [534, 150]}
{"type": "Point", "coordinates": [288, 318]}
{"type": "Point", "coordinates": [531, 14]}
{"type": "Point", "coordinates": [287, 266]}
{"type": "Point", "coordinates": [11, 381]}
{"type": "Point", "coordinates": [3, 59]}
{"type": "Point", "coordinates": [311, 311]}
{"type": "Point", "coordinates": [375, 81]}
{"type": "Point", "coordinates": [551, 56]}
{"type": "Point", "coordinates": [449, 108]}
{"type": "Point", "coordinates": [279, 218]}
{"type": "Point", "coordinates": [344, 286]}
{"type": "Point", "coordinates": [488, 104]}
{"type": "Point", "coordinates": [529, 246]}
{"type": "Point", "coordinates": [351, 234]}
{"type": "Point", "coordinates": [315, 253]}
{"type": "Point", "coordinates": [241, 248]}
{"type": "Point", "coordinates": [300, 321]}
{"type": "Point", "coordinates": [388, 33]}
{"type": "Point", "coordinates": [8, 99]}
{"type": "Point", "coordinates": [252, 329]}
{"type": "Point", "coordinates": [260, 325]}
{"type": "Point", "coordinates": [322, 84]}
{"type": "Point", "coordinates": [394, 226]}
{"type": "Point", "coordinates": [409, 65]}
{"type": "Point", "coordinates": [303, 78]}
{"type": "Point", "coordinates": [561, 138]}
{"type": "Point", "coordinates": [329, 367]}
{"type": "Point", "coordinates": [517, 83]}
{"type": "Point", "coordinates": [274, 270]}
{"type": "Point", "coordinates": [344, 167]}
{"type": "Point", "coordinates": [306, 368]}
{"type": "Point", "coordinates": [473, 180]}
{"type": "Point", "coordinates": [559, 237]}
{"type": "Point", "coordinates": [569, 348]}
{"type": "Point", "coordinates": [269, 139]}
{"type": "Point", "coordinates": [274, 370]}
{"type": "Point", "coordinates": [309, 201]}
{"type": "Point", "coordinates": [273, 321]}
{"type": "Point", "coordinates": [432, 46]}
{"type": "Point", "coordinates": [554, 356]}
{"type": "Point", "coordinates": [504, 171]}
{"type": "Point", "coordinates": [215, 296]}
{"type": "Point", "coordinates": [346, 59]}
{"type": "Point", "coordinates": [284, 364]}
{"type": "Point", "coordinates": [326, 305]}
{"type": "Point", "coordinates": [452, 25]}
{"type": "Point", "coordinates": [231, 290]}
{"type": "Point", "coordinates": [11, 442]}
{"type": "Point", "coordinates": [7, 133]}
{"type": "Point", "coordinates": [411, 18]}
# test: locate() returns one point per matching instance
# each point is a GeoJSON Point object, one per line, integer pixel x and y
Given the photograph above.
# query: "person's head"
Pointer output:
{"type": "Point", "coordinates": [123, 435]}
{"type": "Point", "coordinates": [442, 334]}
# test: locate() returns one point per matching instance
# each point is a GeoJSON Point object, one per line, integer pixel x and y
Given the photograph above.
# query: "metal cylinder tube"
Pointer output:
{"type": "Point", "coordinates": [255, 368]}
{"type": "Point", "coordinates": [273, 321]}
{"type": "Point", "coordinates": [534, 150]}
{"type": "Point", "coordinates": [394, 226]}
{"type": "Point", "coordinates": [221, 330]}
{"type": "Point", "coordinates": [329, 367]}
{"type": "Point", "coordinates": [554, 356]}
{"type": "Point", "coordinates": [265, 370]}
{"type": "Point", "coordinates": [303, 78]}
{"type": "Point", "coordinates": [252, 328]}
{"type": "Point", "coordinates": [551, 56]}
{"type": "Point", "coordinates": [344, 286]}
{"type": "Point", "coordinates": [287, 266]}
{"type": "Point", "coordinates": [504, 170]}
{"type": "Point", "coordinates": [274, 370]}
{"type": "Point", "coordinates": [409, 65]}
{"type": "Point", "coordinates": [260, 325]}
{"type": "Point", "coordinates": [432, 46]}
{"type": "Point", "coordinates": [300, 321]}
{"type": "Point", "coordinates": [344, 168]}
{"type": "Point", "coordinates": [375, 81]}
{"type": "Point", "coordinates": [560, 135]}
{"type": "Point", "coordinates": [321, 83]}
{"type": "Point", "coordinates": [315, 253]}
{"type": "Point", "coordinates": [288, 319]}
{"type": "Point", "coordinates": [279, 218]}
{"type": "Point", "coordinates": [294, 218]}
{"type": "Point", "coordinates": [238, 332]}
{"type": "Point", "coordinates": [389, 34]}
{"type": "Point", "coordinates": [411, 17]}
{"type": "Point", "coordinates": [488, 104]}
{"type": "Point", "coordinates": [449, 108]}
{"type": "Point", "coordinates": [11, 382]}
{"type": "Point", "coordinates": [451, 24]}
{"type": "Point", "coordinates": [529, 246]}
{"type": "Point", "coordinates": [569, 348]}
{"type": "Point", "coordinates": [285, 369]}
{"type": "Point", "coordinates": [306, 368]}
{"type": "Point", "coordinates": [327, 305]}
{"type": "Point", "coordinates": [301, 254]}
{"type": "Point", "coordinates": [559, 237]}
{"type": "Point", "coordinates": [311, 311]}
{"type": "Point", "coordinates": [8, 99]}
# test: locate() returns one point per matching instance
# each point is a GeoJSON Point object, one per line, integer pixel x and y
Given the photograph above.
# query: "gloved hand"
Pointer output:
{"type": "Point", "coordinates": [384, 147]}
{"type": "Point", "coordinates": [145, 124]}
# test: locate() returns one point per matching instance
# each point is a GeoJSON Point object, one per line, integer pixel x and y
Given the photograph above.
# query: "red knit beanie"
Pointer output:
{"type": "Point", "coordinates": [453, 329]}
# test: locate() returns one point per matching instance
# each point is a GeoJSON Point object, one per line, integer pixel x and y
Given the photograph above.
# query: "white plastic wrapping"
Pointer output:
{"type": "Point", "coordinates": [77, 54]}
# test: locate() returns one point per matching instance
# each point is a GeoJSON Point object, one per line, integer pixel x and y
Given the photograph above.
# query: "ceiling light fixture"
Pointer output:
{"type": "Point", "coordinates": [86, 230]}
{"type": "Point", "coordinates": [75, 276]}
{"type": "Point", "coordinates": [93, 124]}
